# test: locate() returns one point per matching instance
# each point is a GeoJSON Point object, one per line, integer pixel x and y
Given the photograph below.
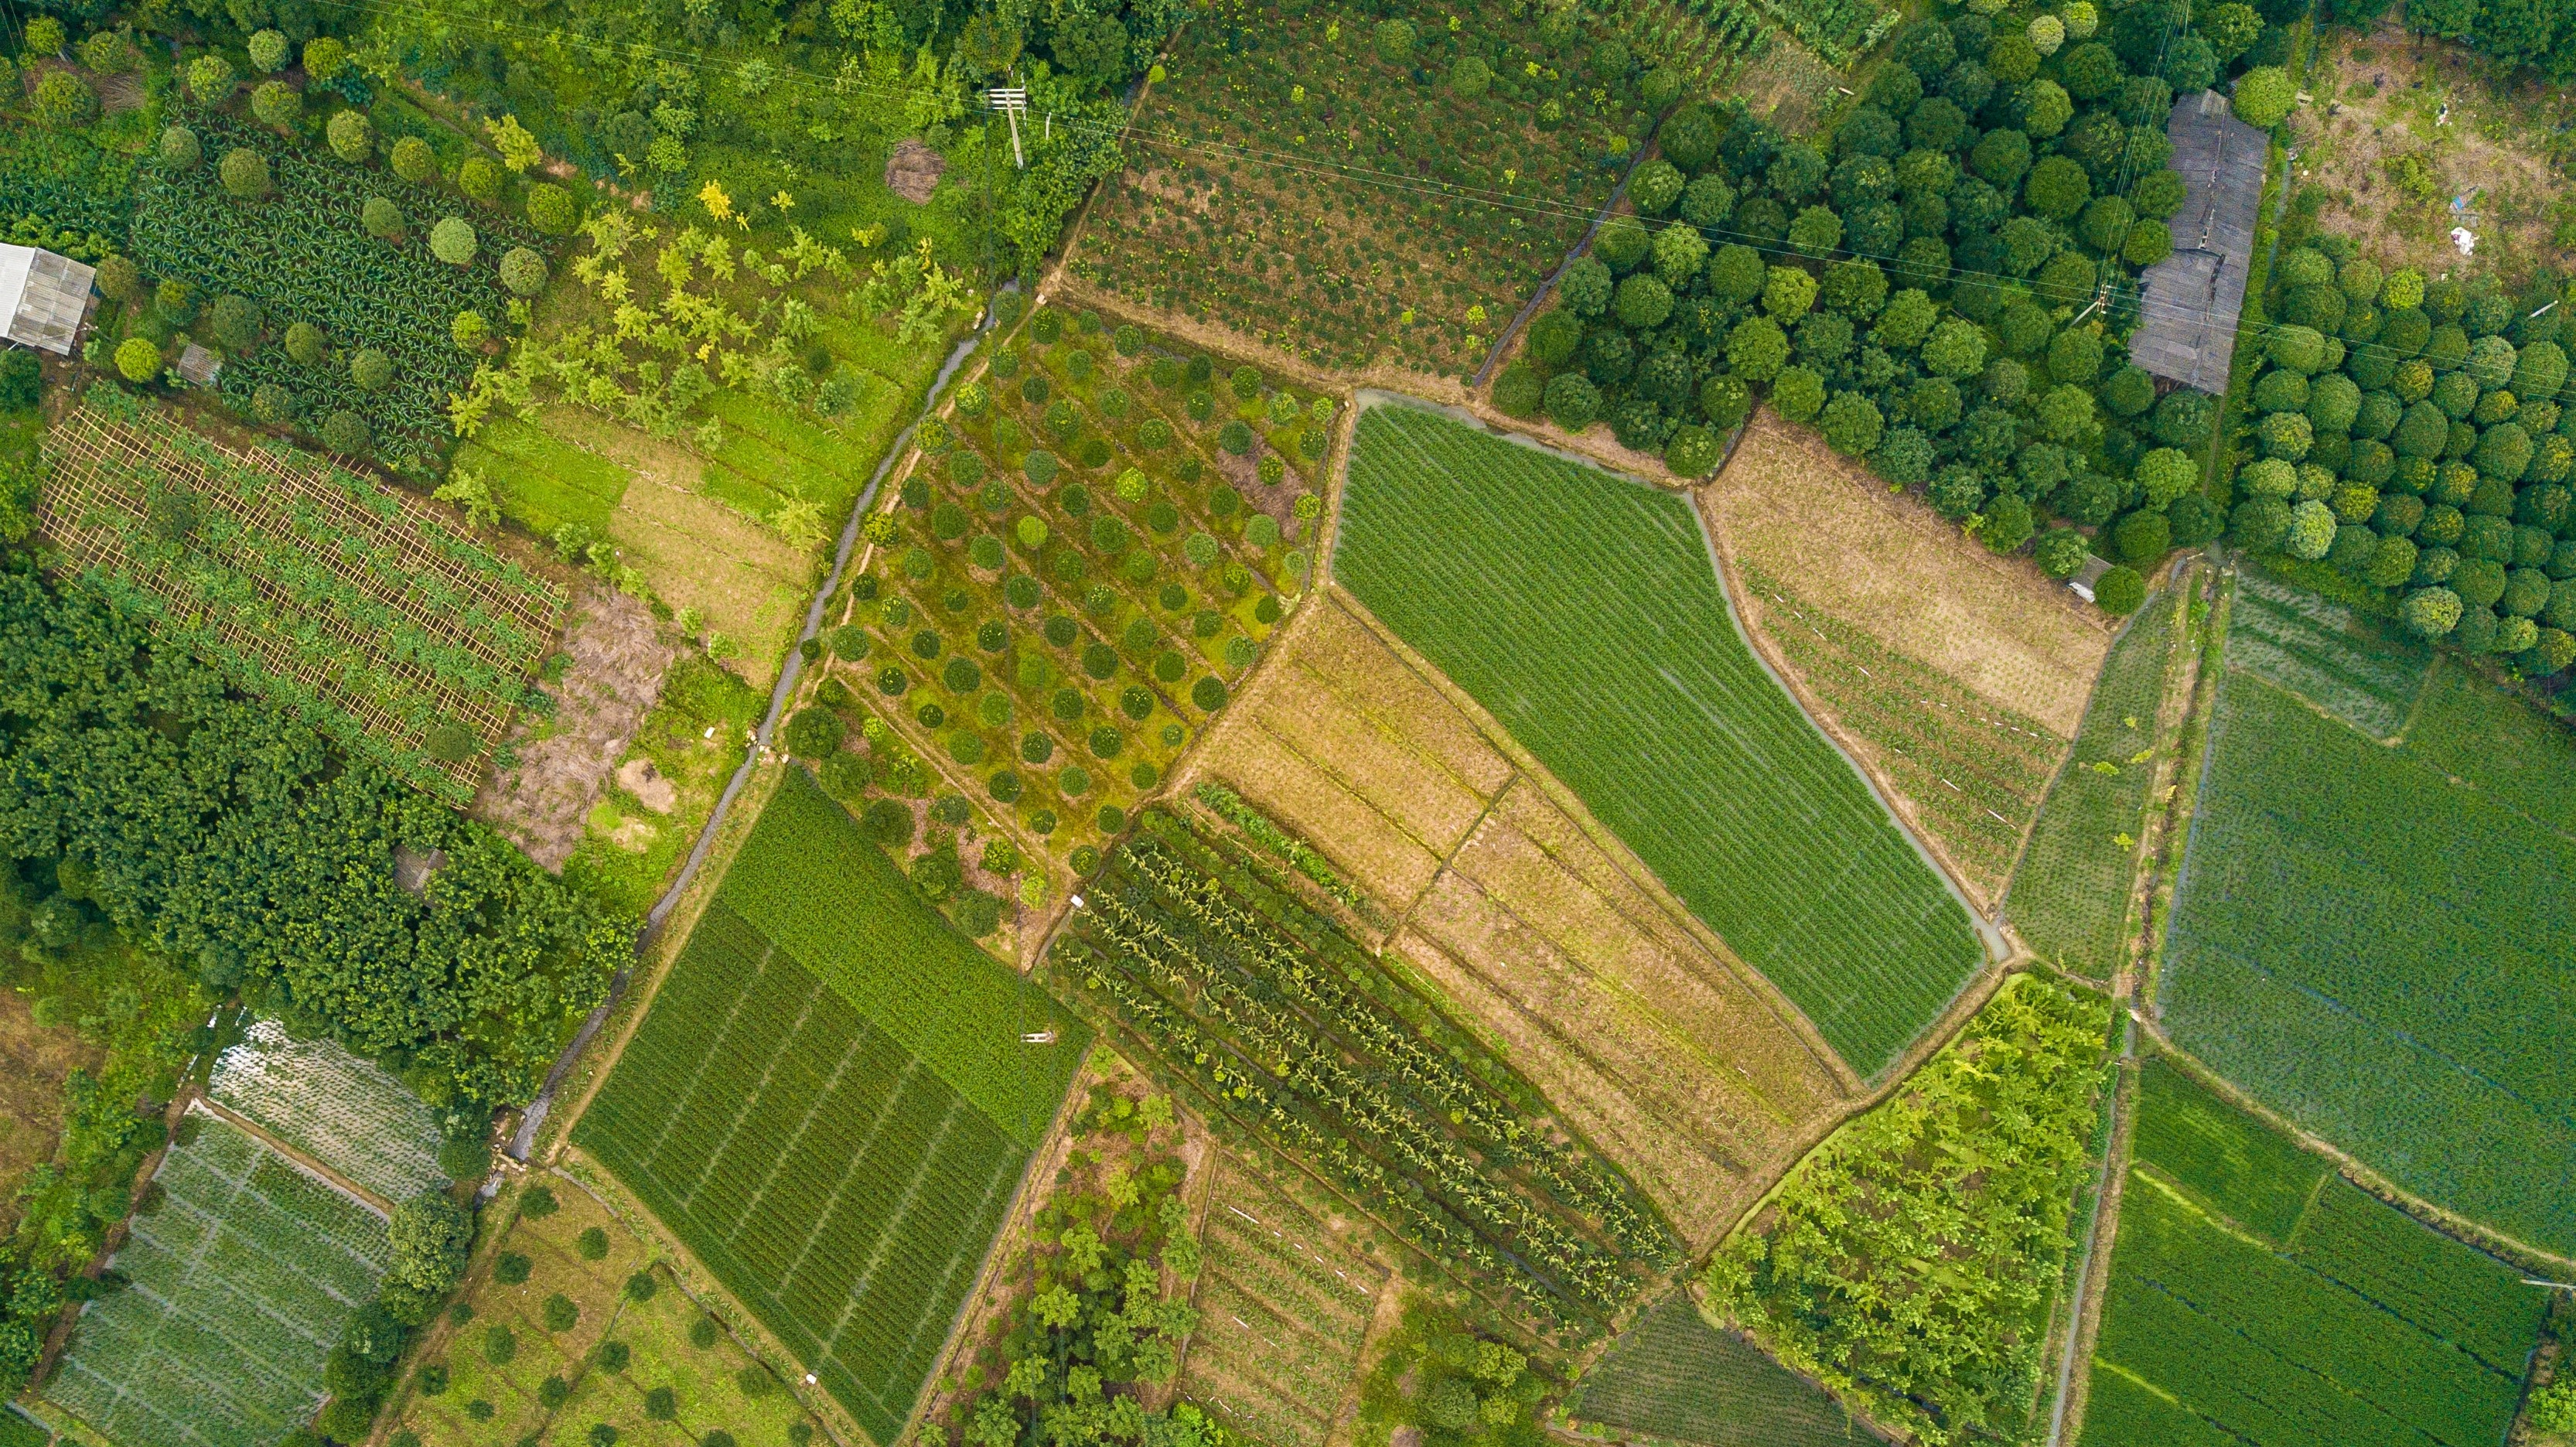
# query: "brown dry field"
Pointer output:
{"type": "Point", "coordinates": [1277, 1351]}
{"type": "Point", "coordinates": [615, 676]}
{"type": "Point", "coordinates": [1893, 568]}
{"type": "Point", "coordinates": [1673, 1059]}
{"type": "Point", "coordinates": [34, 1063]}
{"type": "Point", "coordinates": [2380, 98]}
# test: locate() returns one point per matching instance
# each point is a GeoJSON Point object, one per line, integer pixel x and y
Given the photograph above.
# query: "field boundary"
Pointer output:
{"type": "Point", "coordinates": [2460, 1228]}
{"type": "Point", "coordinates": [380, 1205]}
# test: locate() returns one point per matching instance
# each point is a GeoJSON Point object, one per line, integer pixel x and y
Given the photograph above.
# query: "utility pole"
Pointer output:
{"type": "Point", "coordinates": [1011, 101]}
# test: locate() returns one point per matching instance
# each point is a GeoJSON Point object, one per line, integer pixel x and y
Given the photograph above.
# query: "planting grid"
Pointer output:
{"type": "Point", "coordinates": [242, 1281]}
{"type": "Point", "coordinates": [2257, 1298]}
{"type": "Point", "coordinates": [333, 1106]}
{"type": "Point", "coordinates": [99, 492]}
{"type": "Point", "coordinates": [838, 1187]}
{"type": "Point", "coordinates": [1283, 1310]}
{"type": "Point", "coordinates": [1585, 613]}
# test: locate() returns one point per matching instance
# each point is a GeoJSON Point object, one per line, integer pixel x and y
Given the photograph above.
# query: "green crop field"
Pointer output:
{"type": "Point", "coordinates": [1585, 613]}
{"type": "Point", "coordinates": [2355, 668]}
{"type": "Point", "coordinates": [831, 1105]}
{"type": "Point", "coordinates": [2258, 1299]}
{"type": "Point", "coordinates": [241, 1282]}
{"type": "Point", "coordinates": [2070, 894]}
{"type": "Point", "coordinates": [338, 1108]}
{"type": "Point", "coordinates": [2379, 952]}
{"type": "Point", "coordinates": [1676, 1378]}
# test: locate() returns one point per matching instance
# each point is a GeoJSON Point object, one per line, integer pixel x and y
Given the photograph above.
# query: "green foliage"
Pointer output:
{"type": "Point", "coordinates": [1974, 1163]}
{"type": "Point", "coordinates": [1422, 537]}
{"type": "Point", "coordinates": [501, 959]}
{"type": "Point", "coordinates": [813, 923]}
{"type": "Point", "coordinates": [1672, 1374]}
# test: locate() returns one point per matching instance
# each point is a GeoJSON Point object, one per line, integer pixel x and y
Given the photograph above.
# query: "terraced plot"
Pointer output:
{"type": "Point", "coordinates": [333, 1106]}
{"type": "Point", "coordinates": [831, 1103]}
{"type": "Point", "coordinates": [2374, 944]}
{"type": "Point", "coordinates": [2258, 1299]}
{"type": "Point", "coordinates": [242, 1281]}
{"type": "Point", "coordinates": [1585, 614]}
{"type": "Point", "coordinates": [1284, 1306]}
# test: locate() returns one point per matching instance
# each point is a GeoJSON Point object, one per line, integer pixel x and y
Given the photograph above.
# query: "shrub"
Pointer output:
{"type": "Point", "coordinates": [2060, 552]}
{"type": "Point", "coordinates": [523, 271]}
{"type": "Point", "coordinates": [1519, 390]}
{"type": "Point", "coordinates": [813, 733]}
{"type": "Point", "coordinates": [210, 78]}
{"type": "Point", "coordinates": [469, 330]}
{"type": "Point", "coordinates": [2264, 96]}
{"type": "Point", "coordinates": [452, 240]}
{"type": "Point", "coordinates": [370, 370]}
{"type": "Point", "coordinates": [233, 322]}
{"type": "Point", "coordinates": [304, 343]}
{"type": "Point", "coordinates": [137, 359]}
{"type": "Point", "coordinates": [413, 160]}
{"type": "Point", "coordinates": [561, 1314]}
{"type": "Point", "coordinates": [2142, 537]}
{"type": "Point", "coordinates": [1692, 451]}
{"type": "Point", "coordinates": [347, 434]}
{"type": "Point", "coordinates": [382, 218]}
{"type": "Point", "coordinates": [65, 101]}
{"type": "Point", "coordinates": [1642, 302]}
{"type": "Point", "coordinates": [245, 174]}
{"type": "Point", "coordinates": [275, 103]}
{"type": "Point", "coordinates": [1573, 403]}
{"type": "Point", "coordinates": [551, 209]}
{"type": "Point", "coordinates": [479, 179]}
{"type": "Point", "coordinates": [500, 1344]}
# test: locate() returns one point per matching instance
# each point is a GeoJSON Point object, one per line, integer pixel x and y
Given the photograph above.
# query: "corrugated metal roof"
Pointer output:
{"type": "Point", "coordinates": [44, 296]}
{"type": "Point", "coordinates": [2194, 296]}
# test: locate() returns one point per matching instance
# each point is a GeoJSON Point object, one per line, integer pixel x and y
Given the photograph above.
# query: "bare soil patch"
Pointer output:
{"type": "Point", "coordinates": [34, 1063]}
{"type": "Point", "coordinates": [1797, 510]}
{"type": "Point", "coordinates": [614, 677]}
{"type": "Point", "coordinates": [2401, 127]}
{"type": "Point", "coordinates": [913, 171]}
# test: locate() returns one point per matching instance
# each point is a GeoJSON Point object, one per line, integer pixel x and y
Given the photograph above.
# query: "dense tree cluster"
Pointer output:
{"type": "Point", "coordinates": [2415, 439]}
{"type": "Point", "coordinates": [2540, 34]}
{"type": "Point", "coordinates": [1921, 284]}
{"type": "Point", "coordinates": [213, 831]}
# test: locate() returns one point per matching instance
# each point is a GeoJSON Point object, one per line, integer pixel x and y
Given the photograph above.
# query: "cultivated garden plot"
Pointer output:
{"type": "Point", "coordinates": [1619, 667]}
{"type": "Point", "coordinates": [241, 1280]}
{"type": "Point", "coordinates": [1300, 179]}
{"type": "Point", "coordinates": [1284, 1305]}
{"type": "Point", "coordinates": [831, 1103]}
{"type": "Point", "coordinates": [1977, 1163]}
{"type": "Point", "coordinates": [1955, 674]}
{"type": "Point", "coordinates": [2069, 899]}
{"type": "Point", "coordinates": [335, 1107]}
{"type": "Point", "coordinates": [1675, 1378]}
{"type": "Point", "coordinates": [1080, 568]}
{"type": "Point", "coordinates": [352, 604]}
{"type": "Point", "coordinates": [1284, 1028]}
{"type": "Point", "coordinates": [2258, 1298]}
{"type": "Point", "coordinates": [2359, 933]}
{"type": "Point", "coordinates": [576, 1326]}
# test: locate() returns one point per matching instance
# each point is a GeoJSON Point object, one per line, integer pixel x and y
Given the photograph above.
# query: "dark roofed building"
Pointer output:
{"type": "Point", "coordinates": [2193, 296]}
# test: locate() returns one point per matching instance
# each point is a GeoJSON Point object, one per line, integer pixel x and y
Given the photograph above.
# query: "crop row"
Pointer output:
{"type": "Point", "coordinates": [1584, 612]}
{"type": "Point", "coordinates": [332, 1105]}
{"type": "Point", "coordinates": [1275, 1037]}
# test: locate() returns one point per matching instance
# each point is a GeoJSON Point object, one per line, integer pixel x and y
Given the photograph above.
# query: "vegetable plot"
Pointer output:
{"type": "Point", "coordinates": [334, 1106]}
{"type": "Point", "coordinates": [350, 605]}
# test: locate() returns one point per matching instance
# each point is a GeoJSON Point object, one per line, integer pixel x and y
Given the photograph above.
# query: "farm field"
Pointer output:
{"type": "Point", "coordinates": [311, 259]}
{"type": "Point", "coordinates": [1958, 675]}
{"type": "Point", "coordinates": [1077, 572]}
{"type": "Point", "coordinates": [1669, 1056]}
{"type": "Point", "coordinates": [242, 1281]}
{"type": "Point", "coordinates": [35, 1060]}
{"type": "Point", "coordinates": [2069, 899]}
{"type": "Point", "coordinates": [632, 1332]}
{"type": "Point", "coordinates": [352, 605]}
{"type": "Point", "coordinates": [335, 1107]}
{"type": "Point", "coordinates": [2360, 942]}
{"type": "Point", "coordinates": [1209, 963]}
{"type": "Point", "coordinates": [1674, 1378]}
{"type": "Point", "coordinates": [1284, 1306]}
{"type": "Point", "coordinates": [830, 1105]}
{"type": "Point", "coordinates": [1279, 128]}
{"type": "Point", "coordinates": [1977, 1163]}
{"type": "Point", "coordinates": [628, 844]}
{"type": "Point", "coordinates": [1622, 672]}
{"type": "Point", "coordinates": [2258, 1298]}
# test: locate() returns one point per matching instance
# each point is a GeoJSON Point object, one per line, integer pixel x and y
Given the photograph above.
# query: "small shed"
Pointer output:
{"type": "Point", "coordinates": [44, 297]}
{"type": "Point", "coordinates": [2193, 297]}
{"type": "Point", "coordinates": [198, 367]}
